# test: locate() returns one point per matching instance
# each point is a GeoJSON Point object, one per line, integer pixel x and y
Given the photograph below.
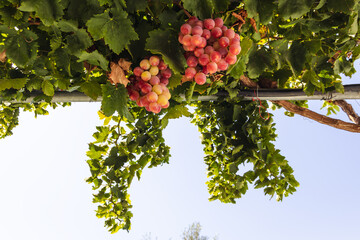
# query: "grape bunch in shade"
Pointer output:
{"type": "Point", "coordinates": [210, 47]}
{"type": "Point", "coordinates": [148, 84]}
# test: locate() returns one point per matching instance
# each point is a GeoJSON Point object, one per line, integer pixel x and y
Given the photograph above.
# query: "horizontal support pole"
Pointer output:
{"type": "Point", "coordinates": [351, 92]}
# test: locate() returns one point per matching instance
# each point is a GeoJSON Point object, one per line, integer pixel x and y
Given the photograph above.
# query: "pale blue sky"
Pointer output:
{"type": "Point", "coordinates": [44, 195]}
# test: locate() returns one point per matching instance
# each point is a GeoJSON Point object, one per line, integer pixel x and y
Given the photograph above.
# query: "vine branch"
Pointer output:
{"type": "Point", "coordinates": [332, 122]}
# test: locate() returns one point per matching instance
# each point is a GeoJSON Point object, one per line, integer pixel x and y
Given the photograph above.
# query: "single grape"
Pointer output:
{"type": "Point", "coordinates": [215, 56]}
{"type": "Point", "coordinates": [154, 60]}
{"type": "Point", "coordinates": [186, 40]}
{"type": "Point", "coordinates": [164, 81]}
{"type": "Point", "coordinates": [198, 52]}
{"type": "Point", "coordinates": [154, 80]}
{"type": "Point", "coordinates": [138, 71]}
{"type": "Point", "coordinates": [230, 59]}
{"type": "Point", "coordinates": [197, 30]}
{"type": "Point", "coordinates": [218, 22]}
{"type": "Point", "coordinates": [157, 89]}
{"type": "Point", "coordinates": [204, 59]}
{"type": "Point", "coordinates": [162, 100]}
{"type": "Point", "coordinates": [222, 65]}
{"type": "Point", "coordinates": [166, 73]}
{"type": "Point", "coordinates": [224, 42]}
{"type": "Point", "coordinates": [162, 65]}
{"type": "Point", "coordinates": [185, 29]}
{"type": "Point", "coordinates": [190, 72]}
{"type": "Point", "coordinates": [200, 78]}
{"type": "Point", "coordinates": [196, 40]}
{"type": "Point", "coordinates": [151, 97]}
{"type": "Point", "coordinates": [235, 49]}
{"type": "Point", "coordinates": [154, 107]}
{"type": "Point", "coordinates": [154, 70]}
{"type": "Point", "coordinates": [145, 64]}
{"type": "Point", "coordinates": [216, 32]}
{"type": "Point", "coordinates": [229, 33]}
{"type": "Point", "coordinates": [206, 34]}
{"type": "Point", "coordinates": [192, 61]}
{"type": "Point", "coordinates": [146, 75]}
{"type": "Point", "coordinates": [212, 67]}
{"type": "Point", "coordinates": [146, 88]}
{"type": "Point", "coordinates": [208, 50]}
{"type": "Point", "coordinates": [209, 23]}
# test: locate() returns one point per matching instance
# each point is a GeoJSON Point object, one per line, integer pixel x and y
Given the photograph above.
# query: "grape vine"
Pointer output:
{"type": "Point", "coordinates": [142, 56]}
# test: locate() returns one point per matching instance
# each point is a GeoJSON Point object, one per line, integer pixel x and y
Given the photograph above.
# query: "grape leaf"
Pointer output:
{"type": "Point", "coordinates": [136, 5]}
{"type": "Point", "coordinates": [160, 42]}
{"type": "Point", "coordinates": [47, 10]}
{"type": "Point", "coordinates": [91, 89]}
{"type": "Point", "coordinates": [47, 88]}
{"type": "Point", "coordinates": [177, 112]}
{"type": "Point", "coordinates": [346, 6]}
{"type": "Point", "coordinates": [294, 8]}
{"type": "Point", "coordinates": [205, 8]}
{"type": "Point", "coordinates": [262, 9]}
{"type": "Point", "coordinates": [94, 58]}
{"type": "Point", "coordinates": [115, 99]}
{"type": "Point", "coordinates": [21, 48]}
{"type": "Point", "coordinates": [117, 30]}
{"type": "Point", "coordinates": [16, 83]}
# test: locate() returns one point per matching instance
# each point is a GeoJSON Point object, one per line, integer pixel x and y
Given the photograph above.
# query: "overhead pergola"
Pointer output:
{"type": "Point", "coordinates": [350, 92]}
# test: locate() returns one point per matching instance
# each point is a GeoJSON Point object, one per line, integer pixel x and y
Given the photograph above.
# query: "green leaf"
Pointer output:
{"type": "Point", "coordinates": [136, 5]}
{"type": "Point", "coordinates": [346, 6]}
{"type": "Point", "coordinates": [16, 83]}
{"type": "Point", "coordinates": [115, 99]}
{"type": "Point", "coordinates": [297, 57]}
{"type": "Point", "coordinates": [310, 76]}
{"type": "Point", "coordinates": [47, 88]}
{"type": "Point", "coordinates": [48, 10]}
{"type": "Point", "coordinates": [160, 42]}
{"type": "Point", "coordinates": [91, 89]}
{"type": "Point", "coordinates": [294, 8]}
{"type": "Point", "coordinates": [177, 111]}
{"type": "Point", "coordinates": [174, 81]}
{"type": "Point", "coordinates": [259, 8]}
{"type": "Point", "coordinates": [205, 8]}
{"type": "Point", "coordinates": [94, 58]}
{"type": "Point", "coordinates": [117, 30]}
{"type": "Point", "coordinates": [21, 48]}
{"type": "Point", "coordinates": [258, 62]}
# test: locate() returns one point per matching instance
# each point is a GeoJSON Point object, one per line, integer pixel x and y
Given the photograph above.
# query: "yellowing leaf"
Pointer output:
{"type": "Point", "coordinates": [125, 65]}
{"type": "Point", "coordinates": [117, 74]}
{"type": "Point", "coordinates": [3, 56]}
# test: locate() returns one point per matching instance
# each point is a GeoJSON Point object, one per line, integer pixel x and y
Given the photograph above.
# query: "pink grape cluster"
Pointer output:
{"type": "Point", "coordinates": [210, 47]}
{"type": "Point", "coordinates": [148, 84]}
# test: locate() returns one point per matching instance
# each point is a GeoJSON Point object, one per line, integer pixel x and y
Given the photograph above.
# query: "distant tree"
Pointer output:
{"type": "Point", "coordinates": [193, 233]}
{"type": "Point", "coordinates": [147, 61]}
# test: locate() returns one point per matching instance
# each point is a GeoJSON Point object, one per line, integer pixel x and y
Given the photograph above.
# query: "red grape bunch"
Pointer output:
{"type": "Point", "coordinates": [148, 84]}
{"type": "Point", "coordinates": [210, 47]}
